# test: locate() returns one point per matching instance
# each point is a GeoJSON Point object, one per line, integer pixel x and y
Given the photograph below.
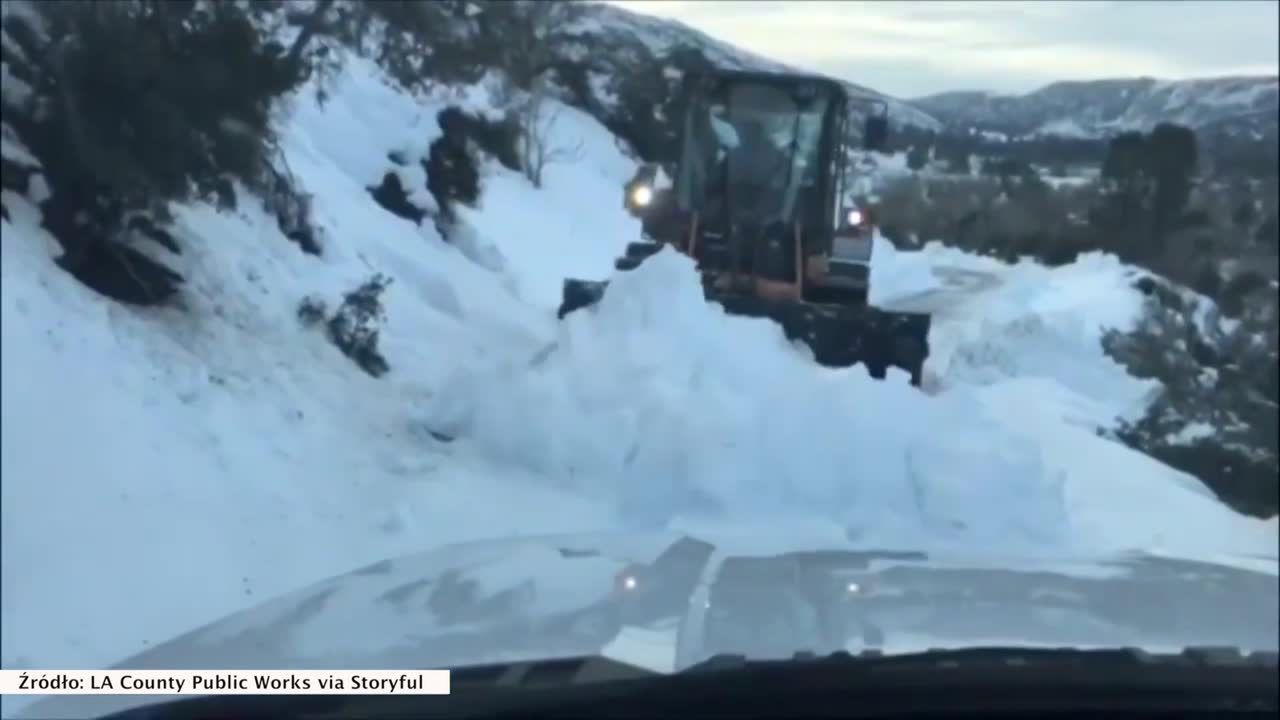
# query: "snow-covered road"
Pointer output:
{"type": "Point", "coordinates": [955, 285]}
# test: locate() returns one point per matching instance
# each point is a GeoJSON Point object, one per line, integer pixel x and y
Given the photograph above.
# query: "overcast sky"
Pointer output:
{"type": "Point", "coordinates": [909, 49]}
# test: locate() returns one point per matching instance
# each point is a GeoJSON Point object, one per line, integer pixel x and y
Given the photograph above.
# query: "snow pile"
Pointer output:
{"type": "Point", "coordinates": [642, 405]}
{"type": "Point", "coordinates": [897, 277]}
{"type": "Point", "coordinates": [993, 321]}
{"type": "Point", "coordinates": [1048, 323]}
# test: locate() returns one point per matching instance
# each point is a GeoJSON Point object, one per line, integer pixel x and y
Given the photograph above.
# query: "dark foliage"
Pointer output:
{"type": "Point", "coordinates": [145, 226]}
{"type": "Point", "coordinates": [390, 194]}
{"type": "Point", "coordinates": [421, 42]}
{"type": "Point", "coordinates": [1233, 298]}
{"type": "Point", "coordinates": [453, 175]}
{"type": "Point", "coordinates": [1223, 382]}
{"type": "Point", "coordinates": [355, 326]}
{"type": "Point", "coordinates": [498, 138]}
{"type": "Point", "coordinates": [1040, 150]}
{"type": "Point", "coordinates": [16, 177]}
{"type": "Point", "coordinates": [649, 102]}
{"type": "Point", "coordinates": [312, 311]}
{"type": "Point", "coordinates": [1148, 185]}
{"type": "Point", "coordinates": [122, 273]}
{"type": "Point", "coordinates": [292, 210]}
{"type": "Point", "coordinates": [104, 262]}
{"type": "Point", "coordinates": [121, 134]}
{"type": "Point", "coordinates": [188, 104]}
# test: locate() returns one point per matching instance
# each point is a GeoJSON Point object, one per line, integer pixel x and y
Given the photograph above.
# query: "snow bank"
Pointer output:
{"type": "Point", "coordinates": [672, 412]}
{"type": "Point", "coordinates": [897, 276]}
{"type": "Point", "coordinates": [993, 321]}
{"type": "Point", "coordinates": [661, 404]}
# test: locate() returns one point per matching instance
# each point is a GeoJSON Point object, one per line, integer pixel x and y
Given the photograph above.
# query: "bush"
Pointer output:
{"type": "Point", "coordinates": [291, 208]}
{"type": "Point", "coordinates": [424, 40]}
{"type": "Point", "coordinates": [1248, 485]}
{"type": "Point", "coordinates": [136, 104]}
{"type": "Point", "coordinates": [1003, 217]}
{"type": "Point", "coordinates": [1237, 291]}
{"type": "Point", "coordinates": [188, 104]}
{"type": "Point", "coordinates": [355, 325]}
{"type": "Point", "coordinates": [453, 174]}
{"type": "Point", "coordinates": [1215, 381]}
{"type": "Point", "coordinates": [391, 195]}
{"type": "Point", "coordinates": [312, 311]}
{"type": "Point", "coordinates": [498, 138]}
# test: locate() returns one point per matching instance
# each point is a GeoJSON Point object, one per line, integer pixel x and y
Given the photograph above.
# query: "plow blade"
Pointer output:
{"type": "Point", "coordinates": [839, 335]}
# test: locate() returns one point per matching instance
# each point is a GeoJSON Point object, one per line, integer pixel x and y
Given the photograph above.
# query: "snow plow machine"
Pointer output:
{"type": "Point", "coordinates": [760, 197]}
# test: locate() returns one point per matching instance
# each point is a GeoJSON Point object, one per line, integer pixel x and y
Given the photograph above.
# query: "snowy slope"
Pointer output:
{"type": "Point", "coordinates": [224, 447]}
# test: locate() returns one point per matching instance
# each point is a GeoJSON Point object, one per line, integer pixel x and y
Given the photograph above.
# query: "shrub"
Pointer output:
{"type": "Point", "coordinates": [1221, 382]}
{"type": "Point", "coordinates": [498, 138]}
{"type": "Point", "coordinates": [1234, 296]}
{"type": "Point", "coordinates": [187, 104]}
{"type": "Point", "coordinates": [136, 104]}
{"type": "Point", "coordinates": [391, 195]}
{"type": "Point", "coordinates": [312, 311]}
{"type": "Point", "coordinates": [291, 208]}
{"type": "Point", "coordinates": [453, 174]}
{"type": "Point", "coordinates": [355, 325]}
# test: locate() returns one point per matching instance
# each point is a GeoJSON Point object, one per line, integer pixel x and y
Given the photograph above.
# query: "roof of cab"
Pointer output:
{"type": "Point", "coordinates": [776, 78]}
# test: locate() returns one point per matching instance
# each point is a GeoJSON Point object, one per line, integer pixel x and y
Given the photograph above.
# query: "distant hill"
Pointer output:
{"type": "Point", "coordinates": [1238, 106]}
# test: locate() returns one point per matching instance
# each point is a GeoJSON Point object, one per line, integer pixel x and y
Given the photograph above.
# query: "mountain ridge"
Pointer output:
{"type": "Point", "coordinates": [1093, 108]}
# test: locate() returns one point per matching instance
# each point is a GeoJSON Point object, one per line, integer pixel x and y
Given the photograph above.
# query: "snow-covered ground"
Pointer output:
{"type": "Point", "coordinates": [163, 468]}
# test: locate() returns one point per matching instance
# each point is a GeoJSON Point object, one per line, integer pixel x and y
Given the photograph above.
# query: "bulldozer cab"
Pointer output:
{"type": "Point", "coordinates": [757, 148]}
{"type": "Point", "coordinates": [762, 150]}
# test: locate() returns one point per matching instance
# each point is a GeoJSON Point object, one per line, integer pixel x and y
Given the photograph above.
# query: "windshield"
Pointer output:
{"type": "Point", "coordinates": [751, 148]}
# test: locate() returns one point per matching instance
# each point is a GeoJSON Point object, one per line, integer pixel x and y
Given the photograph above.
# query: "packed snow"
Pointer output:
{"type": "Point", "coordinates": [225, 447]}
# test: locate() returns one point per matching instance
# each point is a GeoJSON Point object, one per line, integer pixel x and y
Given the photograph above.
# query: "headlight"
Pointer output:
{"type": "Point", "coordinates": [855, 217]}
{"type": "Point", "coordinates": [641, 196]}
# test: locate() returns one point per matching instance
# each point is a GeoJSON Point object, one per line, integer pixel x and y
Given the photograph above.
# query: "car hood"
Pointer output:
{"type": "Point", "coordinates": [525, 599]}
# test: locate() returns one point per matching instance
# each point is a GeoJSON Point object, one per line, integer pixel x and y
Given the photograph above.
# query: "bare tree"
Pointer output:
{"type": "Point", "coordinates": [529, 34]}
{"type": "Point", "coordinates": [537, 119]}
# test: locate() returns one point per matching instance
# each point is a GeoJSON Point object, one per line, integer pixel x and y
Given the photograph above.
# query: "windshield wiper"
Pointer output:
{"type": "Point", "coordinates": [989, 681]}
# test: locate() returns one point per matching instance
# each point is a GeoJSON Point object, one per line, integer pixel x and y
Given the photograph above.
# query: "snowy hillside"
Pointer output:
{"type": "Point", "coordinates": [165, 466]}
{"type": "Point", "coordinates": [1103, 107]}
